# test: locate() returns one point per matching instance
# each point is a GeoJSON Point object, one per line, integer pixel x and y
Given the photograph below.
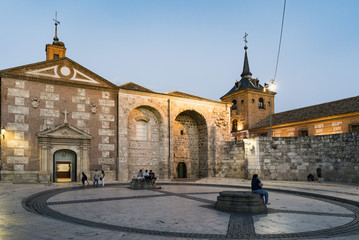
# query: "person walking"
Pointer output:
{"type": "Point", "coordinates": [102, 178]}
{"type": "Point", "coordinates": [257, 188]}
{"type": "Point", "coordinates": [95, 178]}
{"type": "Point", "coordinates": [319, 173]}
{"type": "Point", "coordinates": [84, 179]}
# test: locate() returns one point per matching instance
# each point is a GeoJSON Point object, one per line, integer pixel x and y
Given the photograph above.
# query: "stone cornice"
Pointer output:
{"type": "Point", "coordinates": [56, 82]}
{"type": "Point", "coordinates": [167, 96]}
{"type": "Point", "coordinates": [247, 90]}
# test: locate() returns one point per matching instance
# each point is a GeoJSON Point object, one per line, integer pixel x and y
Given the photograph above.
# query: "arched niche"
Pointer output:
{"type": "Point", "coordinates": [146, 142]}
{"type": "Point", "coordinates": [190, 144]}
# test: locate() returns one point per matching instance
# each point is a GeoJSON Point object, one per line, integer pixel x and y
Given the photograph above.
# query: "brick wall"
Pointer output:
{"type": "Point", "coordinates": [29, 107]}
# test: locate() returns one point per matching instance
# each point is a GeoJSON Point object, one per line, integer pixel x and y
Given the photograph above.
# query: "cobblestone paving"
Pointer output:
{"type": "Point", "coordinates": [187, 211]}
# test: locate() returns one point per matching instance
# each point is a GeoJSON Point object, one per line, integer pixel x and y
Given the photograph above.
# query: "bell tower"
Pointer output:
{"type": "Point", "coordinates": [250, 103]}
{"type": "Point", "coordinates": [56, 49]}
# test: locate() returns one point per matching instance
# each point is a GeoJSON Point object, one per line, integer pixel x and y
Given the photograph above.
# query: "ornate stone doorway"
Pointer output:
{"type": "Point", "coordinates": [64, 166]}
{"type": "Point", "coordinates": [64, 153]}
{"type": "Point", "coordinates": [181, 170]}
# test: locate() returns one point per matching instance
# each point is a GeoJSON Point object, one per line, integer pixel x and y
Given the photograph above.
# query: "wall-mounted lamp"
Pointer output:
{"type": "Point", "coordinates": [3, 131]}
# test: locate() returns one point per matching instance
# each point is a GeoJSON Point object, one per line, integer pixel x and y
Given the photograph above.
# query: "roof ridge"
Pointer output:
{"type": "Point", "coordinates": [135, 87]}
{"type": "Point", "coordinates": [316, 105]}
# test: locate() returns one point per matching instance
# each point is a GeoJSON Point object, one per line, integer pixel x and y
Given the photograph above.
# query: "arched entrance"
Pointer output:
{"type": "Point", "coordinates": [181, 170]}
{"type": "Point", "coordinates": [190, 144]}
{"type": "Point", "coordinates": [64, 166]}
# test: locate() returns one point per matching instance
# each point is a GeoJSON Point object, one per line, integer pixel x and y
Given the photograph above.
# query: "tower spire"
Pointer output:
{"type": "Point", "coordinates": [56, 49]}
{"type": "Point", "coordinates": [56, 39]}
{"type": "Point", "coordinates": [246, 72]}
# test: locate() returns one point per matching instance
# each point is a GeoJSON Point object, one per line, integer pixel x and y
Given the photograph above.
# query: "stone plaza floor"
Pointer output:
{"type": "Point", "coordinates": [180, 210]}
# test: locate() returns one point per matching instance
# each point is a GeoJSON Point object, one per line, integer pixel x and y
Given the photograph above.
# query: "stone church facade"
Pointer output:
{"type": "Point", "coordinates": [61, 119]}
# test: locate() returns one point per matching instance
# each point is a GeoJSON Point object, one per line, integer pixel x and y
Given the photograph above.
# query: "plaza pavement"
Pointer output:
{"type": "Point", "coordinates": [175, 212]}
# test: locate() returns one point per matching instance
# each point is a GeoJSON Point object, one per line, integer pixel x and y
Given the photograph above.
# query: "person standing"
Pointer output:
{"type": "Point", "coordinates": [95, 178]}
{"type": "Point", "coordinates": [319, 173]}
{"type": "Point", "coordinates": [102, 178]}
{"type": "Point", "coordinates": [257, 188]}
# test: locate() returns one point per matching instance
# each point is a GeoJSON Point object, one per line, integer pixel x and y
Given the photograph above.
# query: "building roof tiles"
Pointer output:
{"type": "Point", "coordinates": [343, 106]}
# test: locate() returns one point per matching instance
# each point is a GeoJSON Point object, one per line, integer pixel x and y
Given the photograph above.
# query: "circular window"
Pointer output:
{"type": "Point", "coordinates": [65, 71]}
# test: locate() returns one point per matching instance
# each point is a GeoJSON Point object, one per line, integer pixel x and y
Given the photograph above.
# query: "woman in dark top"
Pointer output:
{"type": "Point", "coordinates": [319, 172]}
{"type": "Point", "coordinates": [84, 179]}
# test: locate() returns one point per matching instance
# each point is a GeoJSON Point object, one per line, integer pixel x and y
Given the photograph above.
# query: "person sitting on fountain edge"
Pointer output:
{"type": "Point", "coordinates": [257, 188]}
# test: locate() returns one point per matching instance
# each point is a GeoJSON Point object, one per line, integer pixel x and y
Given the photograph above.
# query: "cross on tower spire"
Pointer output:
{"type": "Point", "coordinates": [56, 39]}
{"type": "Point", "coordinates": [245, 41]}
{"type": "Point", "coordinates": [246, 72]}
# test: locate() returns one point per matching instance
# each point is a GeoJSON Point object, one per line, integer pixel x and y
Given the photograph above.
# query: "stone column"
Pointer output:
{"type": "Point", "coordinates": [44, 172]}
{"type": "Point", "coordinates": [85, 159]}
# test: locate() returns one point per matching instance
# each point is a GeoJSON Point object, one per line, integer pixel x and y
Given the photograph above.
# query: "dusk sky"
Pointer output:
{"type": "Point", "coordinates": [196, 46]}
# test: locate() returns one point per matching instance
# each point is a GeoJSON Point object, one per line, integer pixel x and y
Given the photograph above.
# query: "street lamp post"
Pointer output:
{"type": "Point", "coordinates": [270, 87]}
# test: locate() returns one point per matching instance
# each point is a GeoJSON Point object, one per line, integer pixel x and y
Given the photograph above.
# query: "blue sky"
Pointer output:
{"type": "Point", "coordinates": [196, 46]}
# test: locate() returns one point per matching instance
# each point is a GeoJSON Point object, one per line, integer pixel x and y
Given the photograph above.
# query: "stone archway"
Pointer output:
{"type": "Point", "coordinates": [145, 139]}
{"type": "Point", "coordinates": [181, 170]}
{"type": "Point", "coordinates": [190, 137]}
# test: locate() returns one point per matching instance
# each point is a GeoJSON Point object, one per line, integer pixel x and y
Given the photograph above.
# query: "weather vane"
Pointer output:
{"type": "Point", "coordinates": [56, 23]}
{"type": "Point", "coordinates": [245, 39]}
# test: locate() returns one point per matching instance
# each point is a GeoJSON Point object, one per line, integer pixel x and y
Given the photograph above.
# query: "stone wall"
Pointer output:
{"type": "Point", "coordinates": [233, 163]}
{"type": "Point", "coordinates": [294, 158]}
{"type": "Point", "coordinates": [182, 130]}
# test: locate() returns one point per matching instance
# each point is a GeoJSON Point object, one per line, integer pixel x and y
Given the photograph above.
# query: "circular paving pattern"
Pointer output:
{"type": "Point", "coordinates": [187, 210]}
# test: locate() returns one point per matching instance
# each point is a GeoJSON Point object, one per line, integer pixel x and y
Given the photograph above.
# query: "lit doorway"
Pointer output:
{"type": "Point", "coordinates": [181, 170]}
{"type": "Point", "coordinates": [64, 166]}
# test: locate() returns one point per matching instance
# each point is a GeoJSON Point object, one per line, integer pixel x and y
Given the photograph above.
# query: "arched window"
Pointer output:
{"type": "Point", "coordinates": [234, 105]}
{"type": "Point", "coordinates": [141, 130]}
{"type": "Point", "coordinates": [261, 103]}
{"type": "Point", "coordinates": [234, 125]}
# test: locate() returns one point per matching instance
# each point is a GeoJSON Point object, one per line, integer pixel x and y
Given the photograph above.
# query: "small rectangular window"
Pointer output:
{"type": "Point", "coordinates": [56, 56]}
{"type": "Point", "coordinates": [303, 133]}
{"type": "Point", "coordinates": [354, 127]}
{"type": "Point", "coordinates": [141, 130]}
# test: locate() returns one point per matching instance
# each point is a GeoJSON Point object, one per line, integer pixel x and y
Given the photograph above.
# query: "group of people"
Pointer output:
{"type": "Point", "coordinates": [149, 177]}
{"type": "Point", "coordinates": [310, 177]}
{"type": "Point", "coordinates": [95, 179]}
{"type": "Point", "coordinates": [257, 185]}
